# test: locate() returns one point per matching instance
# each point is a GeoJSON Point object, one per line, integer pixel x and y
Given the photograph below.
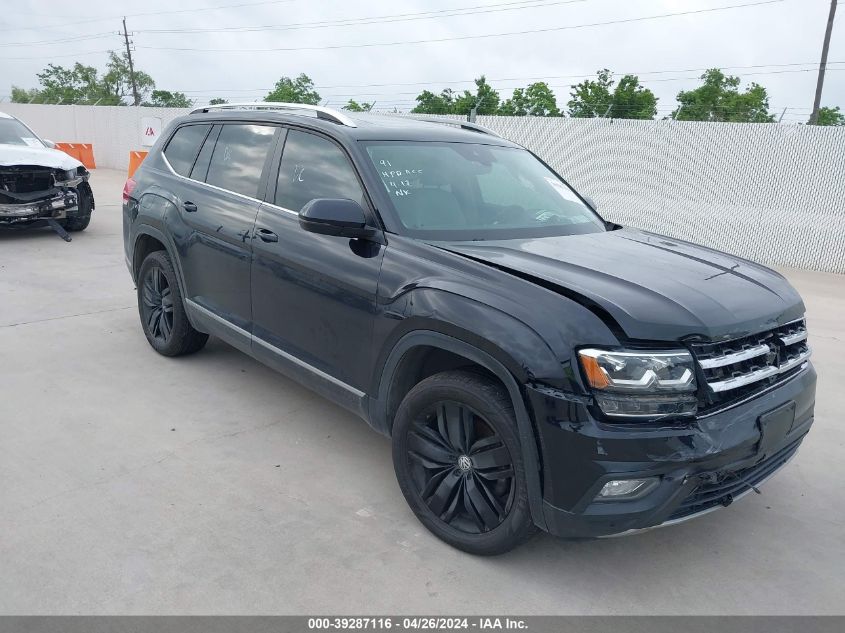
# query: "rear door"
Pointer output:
{"type": "Point", "coordinates": [313, 295]}
{"type": "Point", "coordinates": [220, 200]}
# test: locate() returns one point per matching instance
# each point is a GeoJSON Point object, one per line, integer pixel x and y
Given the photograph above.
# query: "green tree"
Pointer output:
{"type": "Point", "coordinates": [354, 106]}
{"type": "Point", "coordinates": [117, 81]}
{"type": "Point", "coordinates": [167, 99]}
{"type": "Point", "coordinates": [485, 99]}
{"type": "Point", "coordinates": [430, 103]}
{"type": "Point", "coordinates": [82, 84]}
{"type": "Point", "coordinates": [25, 95]}
{"type": "Point", "coordinates": [719, 99]}
{"type": "Point", "coordinates": [76, 84]}
{"type": "Point", "coordinates": [602, 97]}
{"type": "Point", "coordinates": [298, 90]}
{"type": "Point", "coordinates": [592, 98]}
{"type": "Point", "coordinates": [632, 101]}
{"type": "Point", "coordinates": [829, 116]}
{"type": "Point", "coordinates": [535, 100]}
{"type": "Point", "coordinates": [218, 101]}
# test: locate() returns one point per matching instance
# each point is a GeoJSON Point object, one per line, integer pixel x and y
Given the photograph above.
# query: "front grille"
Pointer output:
{"type": "Point", "coordinates": [730, 485]}
{"type": "Point", "coordinates": [736, 369]}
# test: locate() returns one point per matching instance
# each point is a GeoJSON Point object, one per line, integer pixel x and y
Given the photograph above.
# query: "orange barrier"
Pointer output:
{"type": "Point", "coordinates": [83, 152]}
{"type": "Point", "coordinates": [135, 159]}
{"type": "Point", "coordinates": [86, 155]}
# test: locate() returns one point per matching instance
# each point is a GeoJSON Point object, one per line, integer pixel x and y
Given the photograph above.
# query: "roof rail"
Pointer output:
{"type": "Point", "coordinates": [327, 114]}
{"type": "Point", "coordinates": [464, 125]}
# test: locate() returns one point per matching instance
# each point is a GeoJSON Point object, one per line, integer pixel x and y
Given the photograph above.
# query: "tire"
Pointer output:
{"type": "Point", "coordinates": [162, 311]}
{"type": "Point", "coordinates": [81, 221]}
{"type": "Point", "coordinates": [458, 461]}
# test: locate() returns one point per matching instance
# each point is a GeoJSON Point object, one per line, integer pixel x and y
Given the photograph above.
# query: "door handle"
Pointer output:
{"type": "Point", "coordinates": [190, 207]}
{"type": "Point", "coordinates": [267, 235]}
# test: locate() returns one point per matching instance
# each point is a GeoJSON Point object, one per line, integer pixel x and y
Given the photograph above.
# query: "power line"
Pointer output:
{"type": "Point", "coordinates": [467, 37]}
{"type": "Point", "coordinates": [381, 19]}
{"type": "Point", "coordinates": [148, 13]}
{"type": "Point", "coordinates": [75, 38]}
{"type": "Point", "coordinates": [78, 54]}
{"type": "Point", "coordinates": [581, 76]}
{"type": "Point", "coordinates": [524, 79]}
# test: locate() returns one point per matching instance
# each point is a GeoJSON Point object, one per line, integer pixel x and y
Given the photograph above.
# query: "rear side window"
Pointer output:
{"type": "Point", "coordinates": [314, 167]}
{"type": "Point", "coordinates": [184, 147]}
{"type": "Point", "coordinates": [200, 168]}
{"type": "Point", "coordinates": [239, 156]}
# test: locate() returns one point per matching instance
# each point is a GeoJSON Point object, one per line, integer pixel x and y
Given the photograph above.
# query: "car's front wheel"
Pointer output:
{"type": "Point", "coordinates": [162, 312]}
{"type": "Point", "coordinates": [82, 218]}
{"type": "Point", "coordinates": [458, 461]}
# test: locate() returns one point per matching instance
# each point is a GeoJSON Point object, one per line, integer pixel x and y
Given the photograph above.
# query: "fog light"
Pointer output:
{"type": "Point", "coordinates": [627, 488]}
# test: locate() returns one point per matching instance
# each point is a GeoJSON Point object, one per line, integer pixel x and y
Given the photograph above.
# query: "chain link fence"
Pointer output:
{"type": "Point", "coordinates": [767, 192]}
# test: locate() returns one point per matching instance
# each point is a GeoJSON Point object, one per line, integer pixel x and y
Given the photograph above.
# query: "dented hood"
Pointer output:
{"type": "Point", "coordinates": [22, 155]}
{"type": "Point", "coordinates": [654, 287]}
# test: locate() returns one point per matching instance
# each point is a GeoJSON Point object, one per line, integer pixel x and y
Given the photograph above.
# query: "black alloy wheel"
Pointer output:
{"type": "Point", "coordinates": [157, 305]}
{"type": "Point", "coordinates": [458, 461]}
{"type": "Point", "coordinates": [462, 468]}
{"type": "Point", "coordinates": [162, 312]}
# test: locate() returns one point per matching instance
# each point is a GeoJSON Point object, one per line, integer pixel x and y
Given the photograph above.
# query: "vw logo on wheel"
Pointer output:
{"type": "Point", "coordinates": [464, 463]}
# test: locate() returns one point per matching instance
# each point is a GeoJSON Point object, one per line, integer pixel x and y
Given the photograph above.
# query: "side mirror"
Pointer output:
{"type": "Point", "coordinates": [335, 216]}
{"type": "Point", "coordinates": [591, 202]}
{"type": "Point", "coordinates": [49, 143]}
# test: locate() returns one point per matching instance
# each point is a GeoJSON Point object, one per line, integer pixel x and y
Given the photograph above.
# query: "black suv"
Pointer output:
{"type": "Point", "coordinates": [534, 364]}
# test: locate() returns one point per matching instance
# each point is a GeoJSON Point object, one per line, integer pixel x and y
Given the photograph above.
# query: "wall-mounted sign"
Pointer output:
{"type": "Point", "coordinates": [150, 130]}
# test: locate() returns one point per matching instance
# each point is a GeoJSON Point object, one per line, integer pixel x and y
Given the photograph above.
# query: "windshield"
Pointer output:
{"type": "Point", "coordinates": [13, 132]}
{"type": "Point", "coordinates": [468, 191]}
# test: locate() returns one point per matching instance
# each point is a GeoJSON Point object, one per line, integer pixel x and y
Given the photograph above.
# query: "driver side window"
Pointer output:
{"type": "Point", "coordinates": [314, 167]}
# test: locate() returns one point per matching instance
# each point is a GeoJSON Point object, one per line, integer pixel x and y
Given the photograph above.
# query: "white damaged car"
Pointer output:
{"type": "Point", "coordinates": [40, 185]}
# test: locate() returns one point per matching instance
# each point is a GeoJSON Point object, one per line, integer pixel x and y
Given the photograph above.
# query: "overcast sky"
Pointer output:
{"type": "Point", "coordinates": [781, 39]}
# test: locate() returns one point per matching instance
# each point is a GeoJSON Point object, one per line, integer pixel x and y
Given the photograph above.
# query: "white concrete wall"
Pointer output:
{"type": "Point", "coordinates": [113, 130]}
{"type": "Point", "coordinates": [767, 192]}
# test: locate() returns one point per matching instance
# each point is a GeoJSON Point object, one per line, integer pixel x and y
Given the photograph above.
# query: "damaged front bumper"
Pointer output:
{"type": "Point", "coordinates": [57, 205]}
{"type": "Point", "coordinates": [692, 468]}
{"type": "Point", "coordinates": [32, 196]}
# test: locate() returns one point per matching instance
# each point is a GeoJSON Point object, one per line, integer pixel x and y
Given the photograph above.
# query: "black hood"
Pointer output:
{"type": "Point", "coordinates": [654, 287]}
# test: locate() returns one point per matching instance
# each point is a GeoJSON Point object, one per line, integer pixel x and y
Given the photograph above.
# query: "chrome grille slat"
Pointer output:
{"type": "Point", "coordinates": [735, 357]}
{"type": "Point", "coordinates": [760, 374]}
{"type": "Point", "coordinates": [791, 339]}
{"type": "Point", "coordinates": [740, 366]}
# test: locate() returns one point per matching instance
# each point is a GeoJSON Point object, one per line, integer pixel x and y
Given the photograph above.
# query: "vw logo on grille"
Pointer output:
{"type": "Point", "coordinates": [772, 356]}
{"type": "Point", "coordinates": [464, 463]}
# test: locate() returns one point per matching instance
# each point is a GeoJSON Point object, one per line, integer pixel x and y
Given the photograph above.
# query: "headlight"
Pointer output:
{"type": "Point", "coordinates": [641, 383]}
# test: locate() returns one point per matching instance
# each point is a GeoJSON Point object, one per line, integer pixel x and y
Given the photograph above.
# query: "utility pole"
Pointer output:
{"type": "Point", "coordinates": [136, 99]}
{"type": "Point", "coordinates": [814, 117]}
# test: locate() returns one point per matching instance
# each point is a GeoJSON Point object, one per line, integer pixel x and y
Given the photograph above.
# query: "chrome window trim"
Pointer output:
{"type": "Point", "coordinates": [205, 184]}
{"type": "Point", "coordinates": [279, 352]}
{"type": "Point", "coordinates": [285, 209]}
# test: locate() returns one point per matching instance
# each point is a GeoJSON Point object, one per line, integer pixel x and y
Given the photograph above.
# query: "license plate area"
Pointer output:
{"type": "Point", "coordinates": [774, 427]}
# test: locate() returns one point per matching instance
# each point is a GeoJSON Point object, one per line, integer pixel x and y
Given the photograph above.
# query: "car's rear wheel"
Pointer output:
{"type": "Point", "coordinates": [458, 461]}
{"type": "Point", "coordinates": [162, 312]}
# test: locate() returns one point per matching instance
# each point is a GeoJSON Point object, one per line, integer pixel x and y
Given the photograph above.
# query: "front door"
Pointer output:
{"type": "Point", "coordinates": [313, 296]}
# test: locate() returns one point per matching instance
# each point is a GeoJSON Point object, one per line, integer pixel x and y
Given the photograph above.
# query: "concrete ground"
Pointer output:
{"type": "Point", "coordinates": [131, 483]}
